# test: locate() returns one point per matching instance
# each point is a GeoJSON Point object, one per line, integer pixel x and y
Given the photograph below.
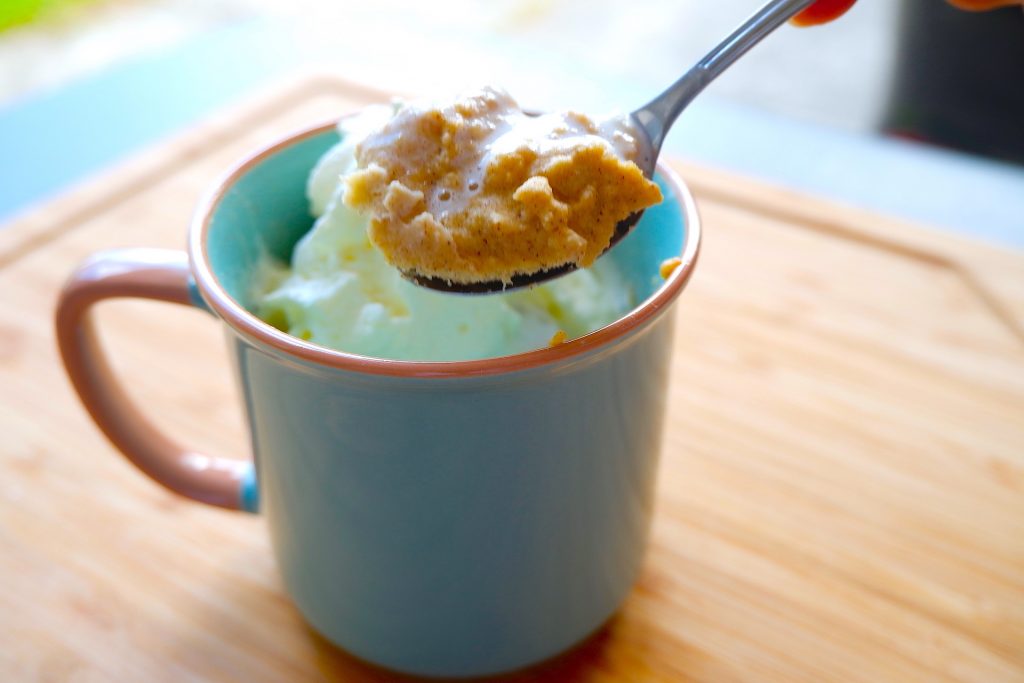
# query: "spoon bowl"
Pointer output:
{"type": "Point", "coordinates": [518, 281]}
{"type": "Point", "coordinates": [650, 123]}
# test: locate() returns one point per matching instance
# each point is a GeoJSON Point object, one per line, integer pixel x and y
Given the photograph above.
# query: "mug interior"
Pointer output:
{"type": "Point", "coordinates": [264, 212]}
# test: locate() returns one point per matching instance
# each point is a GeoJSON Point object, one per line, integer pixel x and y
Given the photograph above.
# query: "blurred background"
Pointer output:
{"type": "Point", "coordinates": [905, 106]}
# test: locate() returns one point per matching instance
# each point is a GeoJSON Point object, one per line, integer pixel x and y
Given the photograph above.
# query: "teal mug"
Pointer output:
{"type": "Point", "coordinates": [437, 518]}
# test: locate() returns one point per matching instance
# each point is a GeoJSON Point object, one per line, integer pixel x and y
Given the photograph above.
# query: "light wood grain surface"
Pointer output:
{"type": "Point", "coordinates": [841, 495]}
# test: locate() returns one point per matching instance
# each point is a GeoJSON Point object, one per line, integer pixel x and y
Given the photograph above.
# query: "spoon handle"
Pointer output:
{"type": "Point", "coordinates": [658, 115]}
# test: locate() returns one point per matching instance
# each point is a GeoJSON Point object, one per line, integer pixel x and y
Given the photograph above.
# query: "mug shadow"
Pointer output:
{"type": "Point", "coordinates": [575, 664]}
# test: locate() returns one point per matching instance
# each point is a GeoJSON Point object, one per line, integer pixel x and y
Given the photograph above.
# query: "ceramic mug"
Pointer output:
{"type": "Point", "coordinates": [438, 518]}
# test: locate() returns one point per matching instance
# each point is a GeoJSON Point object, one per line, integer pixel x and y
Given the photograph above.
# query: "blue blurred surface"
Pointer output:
{"type": "Point", "coordinates": [57, 138]}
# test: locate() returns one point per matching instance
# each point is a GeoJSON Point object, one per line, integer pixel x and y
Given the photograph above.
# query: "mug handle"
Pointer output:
{"type": "Point", "coordinates": [161, 275]}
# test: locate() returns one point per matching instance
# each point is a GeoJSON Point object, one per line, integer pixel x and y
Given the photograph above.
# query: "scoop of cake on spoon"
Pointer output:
{"type": "Point", "coordinates": [479, 197]}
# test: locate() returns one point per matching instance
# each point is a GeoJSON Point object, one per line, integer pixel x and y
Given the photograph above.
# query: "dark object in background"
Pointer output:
{"type": "Point", "coordinates": [959, 79]}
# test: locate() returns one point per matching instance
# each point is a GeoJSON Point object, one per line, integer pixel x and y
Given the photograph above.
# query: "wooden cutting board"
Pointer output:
{"type": "Point", "coordinates": [841, 495]}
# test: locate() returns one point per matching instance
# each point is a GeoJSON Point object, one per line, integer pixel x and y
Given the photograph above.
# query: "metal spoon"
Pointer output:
{"type": "Point", "coordinates": [652, 122]}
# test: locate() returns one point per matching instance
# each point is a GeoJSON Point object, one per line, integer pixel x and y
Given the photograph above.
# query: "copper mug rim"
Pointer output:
{"type": "Point", "coordinates": [253, 328]}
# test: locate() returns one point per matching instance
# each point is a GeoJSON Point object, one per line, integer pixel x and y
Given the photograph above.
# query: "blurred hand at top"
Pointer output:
{"type": "Point", "coordinates": [826, 10]}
